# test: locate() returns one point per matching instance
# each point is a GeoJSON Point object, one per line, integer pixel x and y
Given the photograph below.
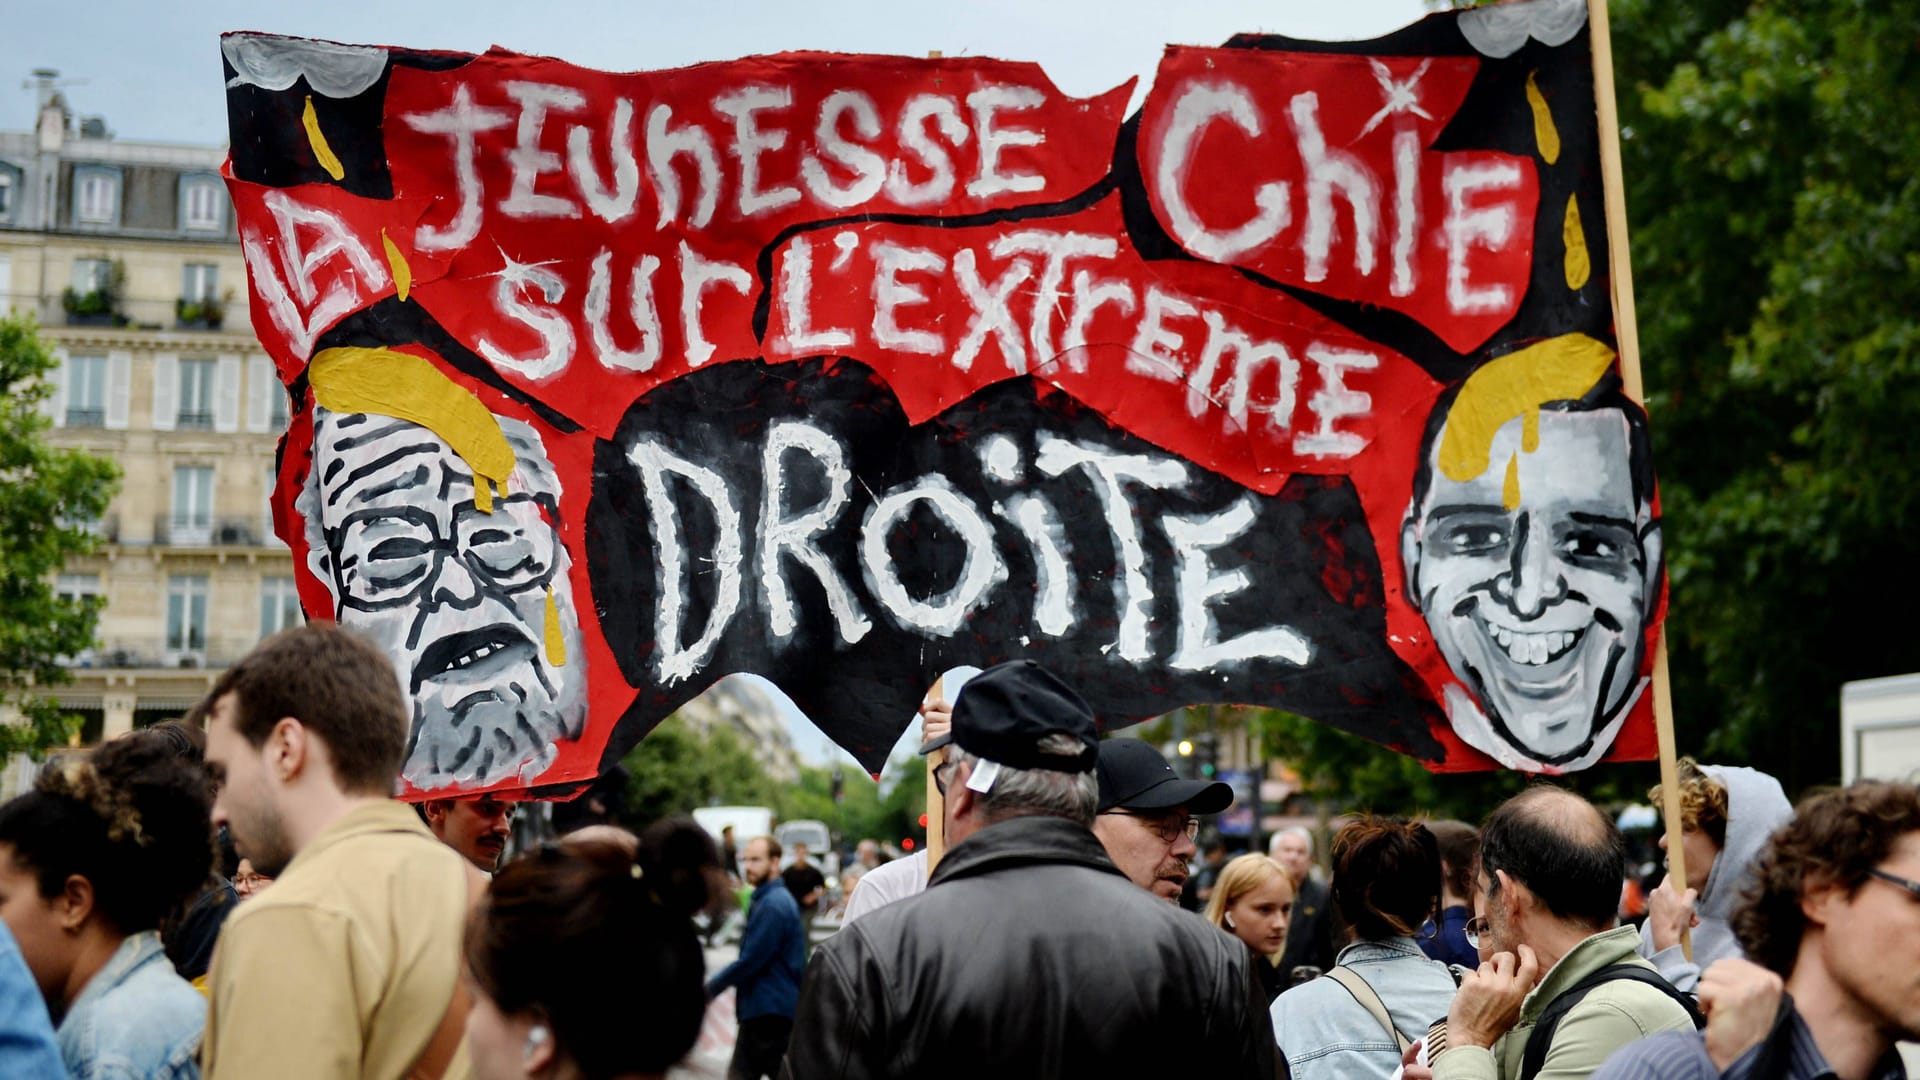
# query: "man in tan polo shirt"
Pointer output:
{"type": "Point", "coordinates": [349, 965]}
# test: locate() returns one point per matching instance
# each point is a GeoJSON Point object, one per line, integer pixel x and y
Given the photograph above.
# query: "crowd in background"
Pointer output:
{"type": "Point", "coordinates": [238, 895]}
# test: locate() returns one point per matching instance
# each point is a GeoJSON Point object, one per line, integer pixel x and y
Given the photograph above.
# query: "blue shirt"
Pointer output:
{"type": "Point", "coordinates": [773, 953]}
{"type": "Point", "coordinates": [1682, 1055]}
{"type": "Point", "coordinates": [1447, 942]}
{"type": "Point", "coordinates": [27, 1049]}
{"type": "Point", "coordinates": [136, 1019]}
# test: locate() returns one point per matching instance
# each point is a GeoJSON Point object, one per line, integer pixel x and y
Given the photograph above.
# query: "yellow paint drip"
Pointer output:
{"type": "Point", "coordinates": [402, 273]}
{"type": "Point", "coordinates": [318, 140]}
{"type": "Point", "coordinates": [1510, 491]}
{"type": "Point", "coordinates": [1516, 385]}
{"type": "Point", "coordinates": [388, 383]}
{"type": "Point", "coordinates": [1579, 263]}
{"type": "Point", "coordinates": [556, 642]}
{"type": "Point", "coordinates": [1544, 133]}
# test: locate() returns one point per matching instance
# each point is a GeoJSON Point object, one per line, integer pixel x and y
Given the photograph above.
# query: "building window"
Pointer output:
{"type": "Point", "coordinates": [86, 391]}
{"type": "Point", "coordinates": [199, 281]}
{"type": "Point", "coordinates": [192, 518]}
{"type": "Point", "coordinates": [6, 193]}
{"type": "Point", "coordinates": [203, 206]}
{"type": "Point", "coordinates": [73, 587]}
{"type": "Point", "coordinates": [187, 614]}
{"type": "Point", "coordinates": [277, 410]}
{"type": "Point", "coordinates": [92, 275]}
{"type": "Point", "coordinates": [196, 395]}
{"type": "Point", "coordinates": [96, 196]}
{"type": "Point", "coordinates": [279, 605]}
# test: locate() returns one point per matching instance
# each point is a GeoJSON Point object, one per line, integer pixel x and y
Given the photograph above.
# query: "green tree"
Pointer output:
{"type": "Point", "coordinates": [1771, 155]}
{"type": "Point", "coordinates": [677, 767]}
{"type": "Point", "coordinates": [48, 499]}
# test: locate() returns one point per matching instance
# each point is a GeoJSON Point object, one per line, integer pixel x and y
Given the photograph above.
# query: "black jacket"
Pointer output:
{"type": "Point", "coordinates": [1030, 955]}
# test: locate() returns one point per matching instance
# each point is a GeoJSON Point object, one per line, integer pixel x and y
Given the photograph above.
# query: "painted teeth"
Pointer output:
{"type": "Point", "coordinates": [1533, 649]}
{"type": "Point", "coordinates": [477, 655]}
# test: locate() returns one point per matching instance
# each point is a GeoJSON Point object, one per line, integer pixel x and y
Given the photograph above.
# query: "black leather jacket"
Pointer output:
{"type": "Point", "coordinates": [1030, 955]}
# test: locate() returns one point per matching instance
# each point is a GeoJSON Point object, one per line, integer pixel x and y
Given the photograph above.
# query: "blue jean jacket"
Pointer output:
{"type": "Point", "coordinates": [137, 1018]}
{"type": "Point", "coordinates": [27, 1050]}
{"type": "Point", "coordinates": [1327, 1035]}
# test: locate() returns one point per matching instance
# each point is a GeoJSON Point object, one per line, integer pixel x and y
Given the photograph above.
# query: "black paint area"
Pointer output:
{"type": "Point", "coordinates": [1307, 556]}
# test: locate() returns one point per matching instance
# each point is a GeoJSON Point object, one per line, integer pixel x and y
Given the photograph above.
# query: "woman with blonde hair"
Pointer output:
{"type": "Point", "coordinates": [1252, 900]}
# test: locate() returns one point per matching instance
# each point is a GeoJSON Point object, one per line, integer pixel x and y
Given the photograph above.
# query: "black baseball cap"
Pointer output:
{"type": "Point", "coordinates": [1133, 776]}
{"type": "Point", "coordinates": [1003, 713]}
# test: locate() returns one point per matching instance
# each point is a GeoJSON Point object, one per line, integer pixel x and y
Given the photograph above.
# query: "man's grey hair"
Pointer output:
{"type": "Point", "coordinates": [1037, 792]}
{"type": "Point", "coordinates": [1301, 831]}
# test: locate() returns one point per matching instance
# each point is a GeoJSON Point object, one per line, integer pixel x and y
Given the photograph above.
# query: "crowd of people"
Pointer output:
{"type": "Point", "coordinates": [238, 895]}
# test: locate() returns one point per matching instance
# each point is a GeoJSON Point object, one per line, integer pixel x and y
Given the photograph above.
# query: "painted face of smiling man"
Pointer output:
{"type": "Point", "coordinates": [1537, 576]}
{"type": "Point", "coordinates": [461, 576]}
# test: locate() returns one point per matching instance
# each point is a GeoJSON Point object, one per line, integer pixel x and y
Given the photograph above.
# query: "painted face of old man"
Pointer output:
{"type": "Point", "coordinates": [465, 586]}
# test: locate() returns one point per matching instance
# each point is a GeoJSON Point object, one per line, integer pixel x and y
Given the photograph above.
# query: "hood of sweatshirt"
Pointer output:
{"type": "Point", "coordinates": [1756, 806]}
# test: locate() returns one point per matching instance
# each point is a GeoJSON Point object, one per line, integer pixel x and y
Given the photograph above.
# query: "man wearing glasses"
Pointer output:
{"type": "Point", "coordinates": [434, 523]}
{"type": "Point", "coordinates": [1029, 953]}
{"type": "Point", "coordinates": [1834, 921]}
{"type": "Point", "coordinates": [1146, 816]}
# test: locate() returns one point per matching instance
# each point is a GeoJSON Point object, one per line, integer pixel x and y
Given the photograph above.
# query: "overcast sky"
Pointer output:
{"type": "Point", "coordinates": [152, 68]}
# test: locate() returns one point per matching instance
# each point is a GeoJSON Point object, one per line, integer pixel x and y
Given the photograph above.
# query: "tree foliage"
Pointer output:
{"type": "Point", "coordinates": [48, 498]}
{"type": "Point", "coordinates": [1771, 156]}
{"type": "Point", "coordinates": [679, 766]}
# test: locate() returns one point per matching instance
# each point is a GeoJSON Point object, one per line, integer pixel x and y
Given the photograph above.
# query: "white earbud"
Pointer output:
{"type": "Point", "coordinates": [537, 1037]}
{"type": "Point", "coordinates": [1230, 925]}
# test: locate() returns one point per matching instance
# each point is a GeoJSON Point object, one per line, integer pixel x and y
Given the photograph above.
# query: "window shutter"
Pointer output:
{"type": "Point", "coordinates": [261, 386]}
{"type": "Point", "coordinates": [55, 403]}
{"type": "Point", "coordinates": [226, 394]}
{"type": "Point", "coordinates": [119, 389]}
{"type": "Point", "coordinates": [166, 391]}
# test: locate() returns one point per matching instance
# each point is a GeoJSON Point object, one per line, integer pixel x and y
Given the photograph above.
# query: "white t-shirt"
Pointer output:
{"type": "Point", "coordinates": [884, 884]}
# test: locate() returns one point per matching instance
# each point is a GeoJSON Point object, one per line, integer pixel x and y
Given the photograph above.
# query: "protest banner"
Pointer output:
{"type": "Point", "coordinates": [1297, 387]}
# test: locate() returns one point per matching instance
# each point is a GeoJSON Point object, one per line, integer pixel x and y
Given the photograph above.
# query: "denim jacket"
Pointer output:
{"type": "Point", "coordinates": [1327, 1035]}
{"type": "Point", "coordinates": [27, 1050]}
{"type": "Point", "coordinates": [137, 1018]}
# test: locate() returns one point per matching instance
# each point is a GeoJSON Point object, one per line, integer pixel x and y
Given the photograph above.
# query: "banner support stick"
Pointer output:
{"type": "Point", "coordinates": [936, 803]}
{"type": "Point", "coordinates": [1627, 332]}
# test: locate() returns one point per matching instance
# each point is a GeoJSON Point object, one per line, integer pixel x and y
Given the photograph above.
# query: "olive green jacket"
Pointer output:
{"type": "Point", "coordinates": [1608, 1018]}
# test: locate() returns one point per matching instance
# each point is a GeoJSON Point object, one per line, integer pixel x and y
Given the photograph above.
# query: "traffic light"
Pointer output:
{"type": "Point", "coordinates": [1185, 748]}
{"type": "Point", "coordinates": [906, 843]}
{"type": "Point", "coordinates": [923, 821]}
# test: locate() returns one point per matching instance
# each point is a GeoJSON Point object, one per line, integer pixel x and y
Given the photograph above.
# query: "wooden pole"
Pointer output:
{"type": "Point", "coordinates": [1627, 332]}
{"type": "Point", "coordinates": [936, 803]}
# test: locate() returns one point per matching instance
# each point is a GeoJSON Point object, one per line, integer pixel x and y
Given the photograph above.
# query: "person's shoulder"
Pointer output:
{"type": "Point", "coordinates": [1650, 1007]}
{"type": "Point", "coordinates": [1666, 1055]}
{"type": "Point", "coordinates": [148, 1017]}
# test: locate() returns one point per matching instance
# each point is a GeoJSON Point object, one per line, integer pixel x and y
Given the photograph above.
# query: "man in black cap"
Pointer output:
{"type": "Point", "coordinates": [1030, 953]}
{"type": "Point", "coordinates": [1146, 817]}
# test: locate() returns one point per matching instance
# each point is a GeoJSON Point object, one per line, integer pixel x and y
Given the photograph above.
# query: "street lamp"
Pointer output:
{"type": "Point", "coordinates": [1186, 747]}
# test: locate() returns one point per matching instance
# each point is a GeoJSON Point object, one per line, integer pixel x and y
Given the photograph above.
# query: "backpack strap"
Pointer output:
{"type": "Point", "coordinates": [1369, 999]}
{"type": "Point", "coordinates": [1540, 1040]}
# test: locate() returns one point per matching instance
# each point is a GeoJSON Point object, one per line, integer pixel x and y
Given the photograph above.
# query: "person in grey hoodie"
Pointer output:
{"type": "Point", "coordinates": [1726, 815]}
